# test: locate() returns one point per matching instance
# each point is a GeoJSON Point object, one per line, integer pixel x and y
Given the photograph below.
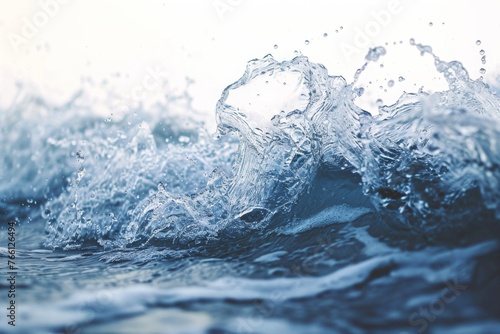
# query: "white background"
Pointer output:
{"type": "Point", "coordinates": [210, 41]}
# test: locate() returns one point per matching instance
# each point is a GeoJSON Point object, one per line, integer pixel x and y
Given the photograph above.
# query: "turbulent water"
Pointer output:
{"type": "Point", "coordinates": [302, 214]}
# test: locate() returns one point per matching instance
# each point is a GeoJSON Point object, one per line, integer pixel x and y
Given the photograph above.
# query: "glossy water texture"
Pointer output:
{"type": "Point", "coordinates": [302, 214]}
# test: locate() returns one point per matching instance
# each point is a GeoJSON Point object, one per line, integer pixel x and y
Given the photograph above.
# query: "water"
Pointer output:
{"type": "Point", "coordinates": [302, 214]}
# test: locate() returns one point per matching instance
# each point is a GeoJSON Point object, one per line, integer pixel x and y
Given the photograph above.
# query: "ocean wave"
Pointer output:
{"type": "Point", "coordinates": [292, 147]}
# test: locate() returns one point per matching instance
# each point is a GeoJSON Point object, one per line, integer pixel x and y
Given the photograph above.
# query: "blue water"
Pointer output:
{"type": "Point", "coordinates": [303, 213]}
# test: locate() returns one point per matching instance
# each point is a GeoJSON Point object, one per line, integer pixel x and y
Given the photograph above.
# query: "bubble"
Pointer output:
{"type": "Point", "coordinates": [390, 83]}
{"type": "Point", "coordinates": [47, 212]}
{"type": "Point", "coordinates": [325, 35]}
{"type": "Point", "coordinates": [275, 46]}
{"type": "Point", "coordinates": [483, 60]}
{"type": "Point", "coordinates": [379, 102]}
{"type": "Point", "coordinates": [412, 41]}
{"type": "Point", "coordinates": [482, 71]}
{"type": "Point", "coordinates": [401, 79]}
{"type": "Point", "coordinates": [478, 42]}
{"type": "Point", "coordinates": [306, 42]}
{"type": "Point", "coordinates": [341, 28]}
{"type": "Point", "coordinates": [430, 24]}
{"type": "Point", "coordinates": [481, 52]}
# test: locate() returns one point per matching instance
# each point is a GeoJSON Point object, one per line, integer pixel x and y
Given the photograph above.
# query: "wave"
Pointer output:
{"type": "Point", "coordinates": [292, 152]}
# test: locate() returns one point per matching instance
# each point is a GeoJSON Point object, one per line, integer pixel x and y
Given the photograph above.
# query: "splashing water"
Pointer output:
{"type": "Point", "coordinates": [419, 162]}
{"type": "Point", "coordinates": [293, 158]}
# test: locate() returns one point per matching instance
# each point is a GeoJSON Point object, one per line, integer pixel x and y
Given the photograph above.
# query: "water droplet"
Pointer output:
{"type": "Point", "coordinates": [275, 46]}
{"type": "Point", "coordinates": [379, 102]}
{"type": "Point", "coordinates": [375, 53]}
{"type": "Point", "coordinates": [359, 91]}
{"type": "Point", "coordinates": [336, 30]}
{"type": "Point", "coordinates": [412, 41]}
{"type": "Point", "coordinates": [390, 83]}
{"type": "Point", "coordinates": [430, 24]}
{"type": "Point", "coordinates": [161, 187]}
{"type": "Point", "coordinates": [183, 139]}
{"type": "Point", "coordinates": [325, 35]}
{"type": "Point", "coordinates": [341, 28]}
{"type": "Point", "coordinates": [482, 71]}
{"type": "Point", "coordinates": [481, 52]}
{"type": "Point", "coordinates": [478, 42]}
{"type": "Point", "coordinates": [381, 65]}
{"type": "Point", "coordinates": [401, 79]}
{"type": "Point", "coordinates": [307, 42]}
{"type": "Point", "coordinates": [79, 156]}
{"type": "Point", "coordinates": [483, 60]}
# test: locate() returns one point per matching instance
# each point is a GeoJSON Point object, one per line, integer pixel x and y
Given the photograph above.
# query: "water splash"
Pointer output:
{"type": "Point", "coordinates": [429, 163]}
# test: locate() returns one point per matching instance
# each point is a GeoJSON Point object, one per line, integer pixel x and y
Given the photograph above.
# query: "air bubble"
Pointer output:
{"type": "Point", "coordinates": [478, 42]}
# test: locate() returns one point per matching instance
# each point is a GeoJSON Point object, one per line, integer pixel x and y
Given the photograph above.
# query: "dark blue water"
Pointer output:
{"type": "Point", "coordinates": [302, 214]}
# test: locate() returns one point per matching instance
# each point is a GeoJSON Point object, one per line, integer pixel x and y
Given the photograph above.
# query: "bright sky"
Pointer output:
{"type": "Point", "coordinates": [52, 44]}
